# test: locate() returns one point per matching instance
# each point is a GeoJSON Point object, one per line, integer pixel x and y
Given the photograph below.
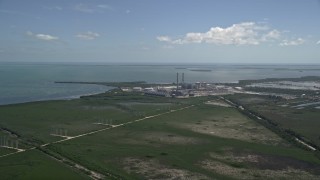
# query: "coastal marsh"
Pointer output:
{"type": "Point", "coordinates": [171, 136]}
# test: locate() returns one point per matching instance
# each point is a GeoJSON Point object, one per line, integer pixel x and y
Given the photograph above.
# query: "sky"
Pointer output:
{"type": "Point", "coordinates": [162, 31]}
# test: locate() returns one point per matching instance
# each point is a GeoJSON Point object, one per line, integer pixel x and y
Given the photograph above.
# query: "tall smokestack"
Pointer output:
{"type": "Point", "coordinates": [177, 81]}
{"type": "Point", "coordinates": [182, 78]}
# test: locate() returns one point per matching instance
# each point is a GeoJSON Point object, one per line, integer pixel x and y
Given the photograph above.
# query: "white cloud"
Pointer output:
{"type": "Point", "coordinates": [44, 37]}
{"type": "Point", "coordinates": [294, 42]}
{"type": "Point", "coordinates": [272, 35]}
{"type": "Point", "coordinates": [164, 38]}
{"type": "Point", "coordinates": [245, 33]}
{"type": "Point", "coordinates": [318, 42]}
{"type": "Point", "coordinates": [88, 35]}
{"type": "Point", "coordinates": [104, 6]}
{"type": "Point", "coordinates": [128, 11]}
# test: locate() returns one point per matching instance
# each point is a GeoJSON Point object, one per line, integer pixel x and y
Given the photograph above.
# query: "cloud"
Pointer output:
{"type": "Point", "coordinates": [86, 8]}
{"type": "Point", "coordinates": [272, 35]}
{"type": "Point", "coordinates": [44, 37]}
{"type": "Point", "coordinates": [294, 42]}
{"type": "Point", "coordinates": [104, 6]}
{"type": "Point", "coordinates": [88, 35]}
{"type": "Point", "coordinates": [164, 38]}
{"type": "Point", "coordinates": [318, 42]}
{"type": "Point", "coordinates": [245, 33]}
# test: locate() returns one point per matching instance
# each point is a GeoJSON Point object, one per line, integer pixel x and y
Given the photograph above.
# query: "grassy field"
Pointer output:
{"type": "Point", "coordinates": [206, 141]}
{"type": "Point", "coordinates": [303, 121]}
{"type": "Point", "coordinates": [4, 151]}
{"type": "Point", "coordinates": [35, 165]}
{"type": "Point", "coordinates": [39, 120]}
{"type": "Point", "coordinates": [181, 145]}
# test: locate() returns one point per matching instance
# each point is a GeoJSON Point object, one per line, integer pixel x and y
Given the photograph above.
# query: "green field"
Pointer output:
{"type": "Point", "coordinates": [202, 141]}
{"type": "Point", "coordinates": [35, 165]}
{"type": "Point", "coordinates": [179, 143]}
{"type": "Point", "coordinates": [305, 121]}
{"type": "Point", "coordinates": [39, 120]}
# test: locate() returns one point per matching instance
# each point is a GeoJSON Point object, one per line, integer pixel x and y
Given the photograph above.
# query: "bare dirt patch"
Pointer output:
{"type": "Point", "coordinates": [235, 128]}
{"type": "Point", "coordinates": [250, 165]}
{"type": "Point", "coordinates": [217, 103]}
{"type": "Point", "coordinates": [244, 173]}
{"type": "Point", "coordinates": [152, 169]}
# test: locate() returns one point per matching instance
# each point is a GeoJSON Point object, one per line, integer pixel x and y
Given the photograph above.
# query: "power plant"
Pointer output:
{"type": "Point", "coordinates": [177, 81]}
{"type": "Point", "coordinates": [181, 89]}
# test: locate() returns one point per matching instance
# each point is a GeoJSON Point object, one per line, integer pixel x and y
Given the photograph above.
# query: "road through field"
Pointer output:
{"type": "Point", "coordinates": [93, 174]}
{"type": "Point", "coordinates": [115, 126]}
{"type": "Point", "coordinates": [100, 130]}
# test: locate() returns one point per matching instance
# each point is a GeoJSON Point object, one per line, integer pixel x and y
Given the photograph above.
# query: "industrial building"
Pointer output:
{"type": "Point", "coordinates": [181, 89]}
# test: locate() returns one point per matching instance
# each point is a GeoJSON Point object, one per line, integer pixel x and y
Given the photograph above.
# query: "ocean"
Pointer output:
{"type": "Point", "coordinates": [26, 82]}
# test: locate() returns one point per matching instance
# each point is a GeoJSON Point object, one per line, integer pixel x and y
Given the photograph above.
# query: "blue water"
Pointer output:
{"type": "Point", "coordinates": [24, 82]}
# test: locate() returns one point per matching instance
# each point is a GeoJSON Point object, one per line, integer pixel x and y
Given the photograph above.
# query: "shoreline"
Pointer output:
{"type": "Point", "coordinates": [112, 85]}
{"type": "Point", "coordinates": [109, 85]}
{"type": "Point", "coordinates": [61, 98]}
{"type": "Point", "coordinates": [53, 99]}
